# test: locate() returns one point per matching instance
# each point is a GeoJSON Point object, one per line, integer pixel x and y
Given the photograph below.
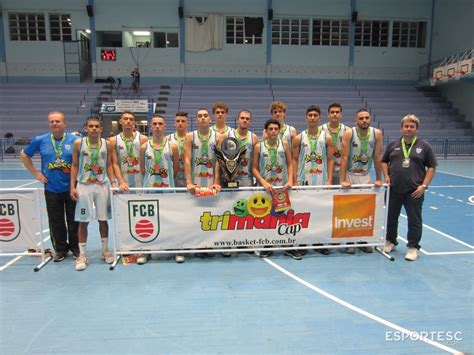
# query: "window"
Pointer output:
{"type": "Point", "coordinates": [27, 27]}
{"type": "Point", "coordinates": [409, 34]}
{"type": "Point", "coordinates": [371, 33]}
{"type": "Point", "coordinates": [330, 32]}
{"type": "Point", "coordinates": [293, 32]}
{"type": "Point", "coordinates": [109, 38]}
{"type": "Point", "coordinates": [60, 27]}
{"type": "Point", "coordinates": [166, 39]}
{"type": "Point", "coordinates": [238, 33]}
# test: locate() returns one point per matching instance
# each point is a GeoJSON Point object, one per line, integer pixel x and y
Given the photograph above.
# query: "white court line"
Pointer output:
{"type": "Point", "coordinates": [14, 260]}
{"type": "Point", "coordinates": [448, 186]}
{"type": "Point", "coordinates": [16, 180]}
{"type": "Point", "coordinates": [434, 253]}
{"type": "Point", "coordinates": [444, 234]}
{"type": "Point", "coordinates": [33, 182]}
{"type": "Point", "coordinates": [464, 176]}
{"type": "Point", "coordinates": [411, 334]}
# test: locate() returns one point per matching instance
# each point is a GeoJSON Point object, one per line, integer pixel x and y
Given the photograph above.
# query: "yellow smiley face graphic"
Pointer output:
{"type": "Point", "coordinates": [259, 205]}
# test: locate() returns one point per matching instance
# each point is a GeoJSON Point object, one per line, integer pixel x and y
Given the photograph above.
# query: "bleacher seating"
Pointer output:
{"type": "Point", "coordinates": [24, 107]}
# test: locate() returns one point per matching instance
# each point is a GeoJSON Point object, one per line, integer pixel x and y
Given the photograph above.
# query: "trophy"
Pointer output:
{"type": "Point", "coordinates": [229, 156]}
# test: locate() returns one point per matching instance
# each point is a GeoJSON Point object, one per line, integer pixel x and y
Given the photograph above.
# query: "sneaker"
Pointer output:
{"type": "Point", "coordinates": [295, 254]}
{"type": "Point", "coordinates": [265, 253]}
{"type": "Point", "coordinates": [75, 254]}
{"type": "Point", "coordinates": [411, 254]}
{"type": "Point", "coordinates": [81, 262]}
{"type": "Point", "coordinates": [58, 257]}
{"type": "Point", "coordinates": [142, 259]}
{"type": "Point", "coordinates": [108, 257]}
{"type": "Point", "coordinates": [226, 254]}
{"type": "Point", "coordinates": [179, 258]}
{"type": "Point", "coordinates": [324, 251]}
{"type": "Point", "coordinates": [388, 247]}
{"type": "Point", "coordinates": [367, 249]}
{"type": "Point", "coordinates": [350, 250]}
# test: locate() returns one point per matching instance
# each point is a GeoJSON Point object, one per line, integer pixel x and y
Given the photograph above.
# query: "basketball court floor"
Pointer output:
{"type": "Point", "coordinates": [336, 304]}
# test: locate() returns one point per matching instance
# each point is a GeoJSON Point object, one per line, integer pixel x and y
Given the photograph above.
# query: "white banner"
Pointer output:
{"type": "Point", "coordinates": [132, 105]}
{"type": "Point", "coordinates": [245, 218]}
{"type": "Point", "coordinates": [19, 220]}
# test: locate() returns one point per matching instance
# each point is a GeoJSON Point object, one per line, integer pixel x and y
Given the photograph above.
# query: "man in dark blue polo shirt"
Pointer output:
{"type": "Point", "coordinates": [409, 165]}
{"type": "Point", "coordinates": [55, 149]}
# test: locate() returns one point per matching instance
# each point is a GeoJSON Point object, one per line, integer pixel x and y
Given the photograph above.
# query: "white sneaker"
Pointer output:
{"type": "Point", "coordinates": [108, 257]}
{"type": "Point", "coordinates": [179, 258]}
{"type": "Point", "coordinates": [388, 247]}
{"type": "Point", "coordinates": [411, 254]}
{"type": "Point", "coordinates": [142, 259]}
{"type": "Point", "coordinates": [81, 262]}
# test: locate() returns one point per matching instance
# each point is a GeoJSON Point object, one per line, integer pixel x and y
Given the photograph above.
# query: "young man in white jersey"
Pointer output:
{"type": "Point", "coordinates": [91, 176]}
{"type": "Point", "coordinates": [220, 111]}
{"type": "Point", "coordinates": [125, 155]}
{"type": "Point", "coordinates": [178, 138]}
{"type": "Point", "coordinates": [200, 160]}
{"type": "Point", "coordinates": [361, 147]}
{"type": "Point", "coordinates": [158, 159]}
{"type": "Point", "coordinates": [278, 111]}
{"type": "Point", "coordinates": [336, 129]}
{"type": "Point", "coordinates": [272, 166]}
{"type": "Point", "coordinates": [244, 137]}
{"type": "Point", "coordinates": [313, 152]}
{"type": "Point", "coordinates": [125, 152]}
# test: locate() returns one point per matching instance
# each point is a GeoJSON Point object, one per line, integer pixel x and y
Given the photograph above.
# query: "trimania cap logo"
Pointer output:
{"type": "Point", "coordinates": [9, 220]}
{"type": "Point", "coordinates": [144, 220]}
{"type": "Point", "coordinates": [353, 216]}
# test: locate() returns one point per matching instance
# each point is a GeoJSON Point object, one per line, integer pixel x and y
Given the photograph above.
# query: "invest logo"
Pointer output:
{"type": "Point", "coordinates": [353, 216]}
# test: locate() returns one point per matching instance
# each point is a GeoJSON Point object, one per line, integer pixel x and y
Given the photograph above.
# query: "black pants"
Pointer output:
{"type": "Point", "coordinates": [61, 209]}
{"type": "Point", "coordinates": [413, 208]}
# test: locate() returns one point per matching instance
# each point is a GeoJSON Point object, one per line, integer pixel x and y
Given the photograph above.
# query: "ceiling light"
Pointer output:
{"type": "Point", "coordinates": [141, 33]}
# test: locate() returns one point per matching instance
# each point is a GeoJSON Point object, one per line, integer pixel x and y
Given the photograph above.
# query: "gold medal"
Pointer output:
{"type": "Point", "coordinates": [406, 163]}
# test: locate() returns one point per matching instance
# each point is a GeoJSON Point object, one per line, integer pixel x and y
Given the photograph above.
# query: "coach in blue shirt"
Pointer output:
{"type": "Point", "coordinates": [55, 149]}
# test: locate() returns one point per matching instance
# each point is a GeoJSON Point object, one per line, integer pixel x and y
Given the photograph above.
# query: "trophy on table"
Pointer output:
{"type": "Point", "coordinates": [229, 156]}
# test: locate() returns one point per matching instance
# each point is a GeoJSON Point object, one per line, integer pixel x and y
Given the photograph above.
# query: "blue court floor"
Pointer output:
{"type": "Point", "coordinates": [336, 304]}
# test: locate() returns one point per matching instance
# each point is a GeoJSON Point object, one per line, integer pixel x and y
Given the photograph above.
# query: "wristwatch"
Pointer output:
{"type": "Point", "coordinates": [425, 186]}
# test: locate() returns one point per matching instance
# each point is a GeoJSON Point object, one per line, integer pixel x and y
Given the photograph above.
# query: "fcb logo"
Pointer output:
{"type": "Point", "coordinates": [144, 220]}
{"type": "Point", "coordinates": [9, 220]}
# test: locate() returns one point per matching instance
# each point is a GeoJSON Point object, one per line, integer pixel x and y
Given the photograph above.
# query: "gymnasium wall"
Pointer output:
{"type": "Point", "coordinates": [30, 60]}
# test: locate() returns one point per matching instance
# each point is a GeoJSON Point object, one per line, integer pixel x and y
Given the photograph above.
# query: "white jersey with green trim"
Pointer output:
{"type": "Point", "coordinates": [336, 141]}
{"type": "Point", "coordinates": [203, 160]}
{"type": "Point", "coordinates": [128, 156]}
{"type": "Point", "coordinates": [360, 161]}
{"type": "Point", "coordinates": [93, 172]}
{"type": "Point", "coordinates": [275, 172]}
{"type": "Point", "coordinates": [158, 173]}
{"type": "Point", "coordinates": [312, 160]}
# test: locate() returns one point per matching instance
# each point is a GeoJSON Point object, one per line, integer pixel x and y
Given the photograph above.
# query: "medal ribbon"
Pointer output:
{"type": "Point", "coordinates": [59, 149]}
{"type": "Point", "coordinates": [406, 153]}
{"type": "Point", "coordinates": [129, 145]}
{"type": "Point", "coordinates": [313, 141]}
{"type": "Point", "coordinates": [334, 135]}
{"type": "Point", "coordinates": [273, 155]}
{"type": "Point", "coordinates": [363, 141]}
{"type": "Point", "coordinates": [93, 152]}
{"type": "Point", "coordinates": [242, 141]}
{"type": "Point", "coordinates": [204, 143]}
{"type": "Point", "coordinates": [180, 144]}
{"type": "Point", "coordinates": [157, 152]}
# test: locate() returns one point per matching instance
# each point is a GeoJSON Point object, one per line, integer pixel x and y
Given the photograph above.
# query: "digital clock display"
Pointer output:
{"type": "Point", "coordinates": [108, 54]}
